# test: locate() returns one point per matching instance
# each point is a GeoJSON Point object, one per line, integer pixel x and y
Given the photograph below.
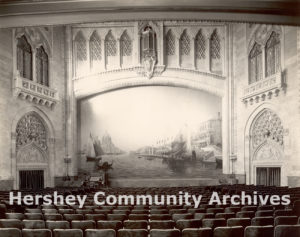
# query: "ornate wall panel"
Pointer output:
{"type": "Point", "coordinates": [30, 129]}
{"type": "Point", "coordinates": [267, 129]}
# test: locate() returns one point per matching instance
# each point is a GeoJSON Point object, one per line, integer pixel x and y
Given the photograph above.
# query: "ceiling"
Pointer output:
{"type": "Point", "coordinates": [44, 12]}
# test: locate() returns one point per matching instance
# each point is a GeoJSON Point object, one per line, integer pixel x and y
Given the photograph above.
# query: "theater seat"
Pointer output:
{"type": "Point", "coordinates": [53, 217]}
{"type": "Point", "coordinates": [66, 211]}
{"type": "Point", "coordinates": [132, 233]}
{"type": "Point", "coordinates": [73, 217]}
{"type": "Point", "coordinates": [232, 209]}
{"type": "Point", "coordinates": [186, 216]}
{"type": "Point", "coordinates": [262, 221]}
{"type": "Point", "coordinates": [132, 224]}
{"type": "Point", "coordinates": [100, 233]}
{"type": "Point", "coordinates": [285, 220]}
{"type": "Point", "coordinates": [104, 212]}
{"type": "Point", "coordinates": [284, 213]}
{"type": "Point", "coordinates": [141, 211]}
{"type": "Point", "coordinates": [287, 231]}
{"type": "Point", "coordinates": [245, 214]}
{"type": "Point", "coordinates": [33, 210]}
{"type": "Point", "coordinates": [193, 223]}
{"type": "Point", "coordinates": [234, 231]}
{"type": "Point", "coordinates": [57, 225]}
{"type": "Point", "coordinates": [160, 217]}
{"type": "Point", "coordinates": [95, 217]}
{"type": "Point", "coordinates": [215, 210]}
{"type": "Point", "coordinates": [36, 233]}
{"type": "Point", "coordinates": [193, 232]}
{"type": "Point", "coordinates": [167, 224]}
{"type": "Point", "coordinates": [165, 233]}
{"type": "Point", "coordinates": [263, 213]}
{"type": "Point", "coordinates": [213, 222]}
{"type": "Point", "coordinates": [196, 210]}
{"type": "Point", "coordinates": [115, 225]}
{"type": "Point", "coordinates": [83, 225]}
{"type": "Point", "coordinates": [138, 217]}
{"type": "Point", "coordinates": [67, 233]}
{"type": "Point", "coordinates": [11, 223]}
{"type": "Point", "coordinates": [19, 216]}
{"type": "Point", "coordinates": [159, 211]}
{"type": "Point", "coordinates": [225, 215]}
{"type": "Point", "coordinates": [34, 224]}
{"type": "Point", "coordinates": [201, 216]}
{"type": "Point", "coordinates": [116, 217]}
{"type": "Point", "coordinates": [259, 231]}
{"type": "Point", "coordinates": [244, 222]}
{"type": "Point", "coordinates": [33, 216]}
{"type": "Point", "coordinates": [10, 232]}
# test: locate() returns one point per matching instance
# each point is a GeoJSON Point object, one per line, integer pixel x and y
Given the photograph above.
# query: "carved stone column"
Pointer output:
{"type": "Point", "coordinates": [70, 107]}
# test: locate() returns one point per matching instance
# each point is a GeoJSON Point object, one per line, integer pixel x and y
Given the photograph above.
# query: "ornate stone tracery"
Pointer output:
{"type": "Point", "coordinates": [267, 126]}
{"type": "Point", "coordinates": [31, 129]}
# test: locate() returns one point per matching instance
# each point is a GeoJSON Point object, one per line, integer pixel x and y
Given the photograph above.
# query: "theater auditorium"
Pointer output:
{"type": "Point", "coordinates": [141, 99]}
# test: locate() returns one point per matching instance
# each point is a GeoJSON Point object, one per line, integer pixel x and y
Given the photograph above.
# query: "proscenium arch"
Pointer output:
{"type": "Point", "coordinates": [95, 84]}
{"type": "Point", "coordinates": [252, 116]}
{"type": "Point", "coordinates": [50, 142]}
{"type": "Point", "coordinates": [90, 86]}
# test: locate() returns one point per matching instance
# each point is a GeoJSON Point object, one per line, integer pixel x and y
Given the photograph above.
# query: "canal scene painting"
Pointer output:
{"type": "Point", "coordinates": [152, 133]}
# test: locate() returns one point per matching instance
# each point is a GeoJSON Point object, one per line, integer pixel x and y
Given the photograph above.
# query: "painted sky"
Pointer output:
{"type": "Point", "coordinates": [140, 116]}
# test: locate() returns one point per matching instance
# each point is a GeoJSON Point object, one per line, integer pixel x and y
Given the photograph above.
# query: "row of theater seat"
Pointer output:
{"type": "Point", "coordinates": [236, 231]}
{"type": "Point", "coordinates": [166, 224]}
{"type": "Point", "coordinates": [156, 221]}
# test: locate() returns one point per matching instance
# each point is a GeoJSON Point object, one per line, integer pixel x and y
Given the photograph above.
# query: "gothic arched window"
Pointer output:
{"type": "Point", "coordinates": [170, 43]}
{"type": "Point", "coordinates": [126, 45]}
{"type": "Point", "coordinates": [24, 58]}
{"type": "Point", "coordinates": [110, 45]}
{"type": "Point", "coordinates": [272, 54]}
{"type": "Point", "coordinates": [255, 64]}
{"type": "Point", "coordinates": [200, 46]}
{"type": "Point", "coordinates": [215, 53]}
{"type": "Point", "coordinates": [41, 64]}
{"type": "Point", "coordinates": [95, 50]}
{"type": "Point", "coordinates": [185, 44]}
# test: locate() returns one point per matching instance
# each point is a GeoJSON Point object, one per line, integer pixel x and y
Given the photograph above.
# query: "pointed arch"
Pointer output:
{"type": "Point", "coordinates": [170, 43]}
{"type": "Point", "coordinates": [110, 45]}
{"type": "Point", "coordinates": [272, 54]}
{"type": "Point", "coordinates": [215, 53]}
{"type": "Point", "coordinates": [24, 57]}
{"type": "Point", "coordinates": [42, 66]}
{"type": "Point", "coordinates": [126, 45]}
{"type": "Point", "coordinates": [185, 44]}
{"type": "Point", "coordinates": [255, 63]}
{"type": "Point", "coordinates": [200, 46]}
{"type": "Point", "coordinates": [80, 47]}
{"type": "Point", "coordinates": [80, 52]}
{"type": "Point", "coordinates": [95, 50]}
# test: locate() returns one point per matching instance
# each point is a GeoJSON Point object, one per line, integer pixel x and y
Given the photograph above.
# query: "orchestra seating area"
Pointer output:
{"type": "Point", "coordinates": [154, 221]}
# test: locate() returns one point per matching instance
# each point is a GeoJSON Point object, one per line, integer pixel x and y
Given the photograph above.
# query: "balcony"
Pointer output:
{"type": "Point", "coordinates": [263, 89]}
{"type": "Point", "coordinates": [34, 92]}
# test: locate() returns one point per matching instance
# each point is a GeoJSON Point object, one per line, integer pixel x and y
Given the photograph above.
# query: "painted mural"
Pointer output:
{"type": "Point", "coordinates": [152, 132]}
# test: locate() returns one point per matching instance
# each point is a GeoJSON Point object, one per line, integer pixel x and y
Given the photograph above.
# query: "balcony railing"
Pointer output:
{"type": "Point", "coordinates": [265, 88]}
{"type": "Point", "coordinates": [35, 92]}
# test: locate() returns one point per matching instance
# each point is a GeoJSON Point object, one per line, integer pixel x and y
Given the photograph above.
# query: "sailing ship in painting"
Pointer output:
{"type": "Point", "coordinates": [100, 150]}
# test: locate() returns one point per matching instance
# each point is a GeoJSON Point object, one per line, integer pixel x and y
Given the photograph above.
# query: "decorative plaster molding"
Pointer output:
{"type": "Point", "coordinates": [263, 89]}
{"type": "Point", "coordinates": [34, 92]}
